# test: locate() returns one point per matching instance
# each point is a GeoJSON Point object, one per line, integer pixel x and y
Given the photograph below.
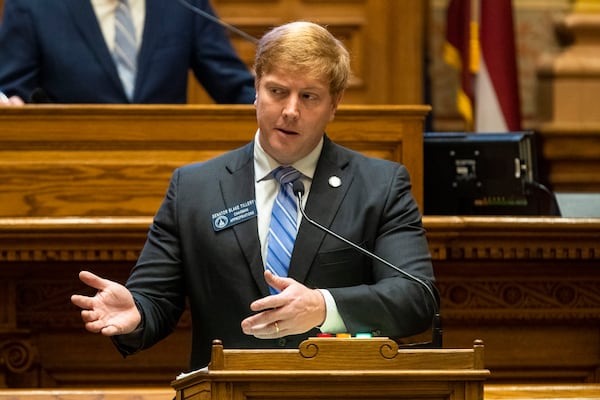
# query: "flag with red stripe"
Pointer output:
{"type": "Point", "coordinates": [480, 45]}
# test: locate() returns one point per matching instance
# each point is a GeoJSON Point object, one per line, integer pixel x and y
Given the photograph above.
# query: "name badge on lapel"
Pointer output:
{"type": "Point", "coordinates": [234, 215]}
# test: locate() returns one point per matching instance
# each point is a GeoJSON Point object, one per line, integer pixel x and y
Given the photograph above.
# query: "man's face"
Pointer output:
{"type": "Point", "coordinates": [292, 110]}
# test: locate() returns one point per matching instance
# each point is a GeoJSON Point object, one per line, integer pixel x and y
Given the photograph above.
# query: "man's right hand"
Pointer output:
{"type": "Point", "coordinates": [111, 311]}
{"type": "Point", "coordinates": [10, 101]}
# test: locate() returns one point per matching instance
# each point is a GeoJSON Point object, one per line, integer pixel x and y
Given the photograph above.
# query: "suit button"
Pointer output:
{"type": "Point", "coordinates": [281, 342]}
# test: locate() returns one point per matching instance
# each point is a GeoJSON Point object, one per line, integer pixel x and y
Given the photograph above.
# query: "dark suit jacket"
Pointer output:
{"type": "Point", "coordinates": [57, 46]}
{"type": "Point", "coordinates": [221, 272]}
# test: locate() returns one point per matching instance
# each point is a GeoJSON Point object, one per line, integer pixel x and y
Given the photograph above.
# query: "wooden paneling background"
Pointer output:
{"type": "Point", "coordinates": [528, 287]}
{"type": "Point", "coordinates": [384, 38]}
{"type": "Point", "coordinates": [84, 167]}
{"type": "Point", "coordinates": [116, 160]}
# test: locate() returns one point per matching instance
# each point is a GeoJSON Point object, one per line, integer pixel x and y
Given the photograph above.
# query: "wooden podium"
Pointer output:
{"type": "Point", "coordinates": [116, 160]}
{"type": "Point", "coordinates": [335, 368]}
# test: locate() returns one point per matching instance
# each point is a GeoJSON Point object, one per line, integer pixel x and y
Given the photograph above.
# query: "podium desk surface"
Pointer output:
{"type": "Point", "coordinates": [370, 357]}
{"type": "Point", "coordinates": [325, 368]}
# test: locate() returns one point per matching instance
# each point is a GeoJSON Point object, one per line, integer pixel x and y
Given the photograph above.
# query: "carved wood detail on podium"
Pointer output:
{"type": "Point", "coordinates": [352, 354]}
{"type": "Point", "coordinates": [325, 368]}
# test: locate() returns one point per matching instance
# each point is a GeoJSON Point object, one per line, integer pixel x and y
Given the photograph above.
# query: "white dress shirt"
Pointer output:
{"type": "Point", "coordinates": [266, 192]}
{"type": "Point", "coordinates": [105, 12]}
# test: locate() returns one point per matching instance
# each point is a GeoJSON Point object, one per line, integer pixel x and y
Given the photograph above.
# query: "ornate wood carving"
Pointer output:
{"type": "Point", "coordinates": [18, 355]}
{"type": "Point", "coordinates": [513, 238]}
{"type": "Point", "coordinates": [533, 281]}
{"type": "Point", "coordinates": [520, 299]}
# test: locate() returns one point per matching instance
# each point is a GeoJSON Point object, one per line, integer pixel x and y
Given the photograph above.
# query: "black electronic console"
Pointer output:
{"type": "Point", "coordinates": [484, 174]}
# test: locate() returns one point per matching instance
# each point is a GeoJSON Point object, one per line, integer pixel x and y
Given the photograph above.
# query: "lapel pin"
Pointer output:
{"type": "Point", "coordinates": [335, 181]}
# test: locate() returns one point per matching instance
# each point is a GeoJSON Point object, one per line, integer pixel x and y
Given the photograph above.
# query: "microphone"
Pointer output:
{"type": "Point", "coordinates": [437, 332]}
{"type": "Point", "coordinates": [216, 20]}
{"type": "Point", "coordinates": [39, 96]}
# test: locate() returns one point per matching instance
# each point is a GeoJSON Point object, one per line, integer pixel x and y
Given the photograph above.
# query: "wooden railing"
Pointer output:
{"type": "Point", "coordinates": [112, 160]}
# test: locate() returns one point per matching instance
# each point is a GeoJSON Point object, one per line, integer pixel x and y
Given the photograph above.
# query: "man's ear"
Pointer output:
{"type": "Point", "coordinates": [334, 105]}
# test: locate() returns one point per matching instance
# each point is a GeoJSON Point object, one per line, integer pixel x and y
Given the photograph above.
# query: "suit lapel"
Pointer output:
{"type": "Point", "coordinates": [85, 19]}
{"type": "Point", "coordinates": [238, 187]}
{"type": "Point", "coordinates": [322, 205]}
{"type": "Point", "coordinates": [150, 37]}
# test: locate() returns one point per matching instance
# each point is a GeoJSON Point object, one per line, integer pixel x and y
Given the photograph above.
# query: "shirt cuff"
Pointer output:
{"type": "Point", "coordinates": [333, 320]}
{"type": "Point", "coordinates": [130, 343]}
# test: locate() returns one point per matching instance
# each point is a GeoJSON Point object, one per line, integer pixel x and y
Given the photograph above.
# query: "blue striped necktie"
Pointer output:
{"type": "Point", "coordinates": [125, 51]}
{"type": "Point", "coordinates": [283, 228]}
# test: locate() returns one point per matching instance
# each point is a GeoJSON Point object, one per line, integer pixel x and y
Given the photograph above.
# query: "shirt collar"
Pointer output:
{"type": "Point", "coordinates": [264, 163]}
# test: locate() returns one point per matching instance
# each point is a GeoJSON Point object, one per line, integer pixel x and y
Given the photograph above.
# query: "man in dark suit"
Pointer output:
{"type": "Point", "coordinates": [210, 240]}
{"type": "Point", "coordinates": [60, 51]}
